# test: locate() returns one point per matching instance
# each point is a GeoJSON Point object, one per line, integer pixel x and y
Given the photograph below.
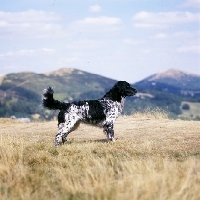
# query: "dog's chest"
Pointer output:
{"type": "Point", "coordinates": [112, 108]}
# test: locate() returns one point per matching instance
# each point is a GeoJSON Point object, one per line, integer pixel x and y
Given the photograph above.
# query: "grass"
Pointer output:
{"type": "Point", "coordinates": [153, 158]}
{"type": "Point", "coordinates": [193, 112]}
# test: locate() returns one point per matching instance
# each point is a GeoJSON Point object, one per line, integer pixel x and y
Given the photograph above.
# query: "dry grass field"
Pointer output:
{"type": "Point", "coordinates": [153, 158]}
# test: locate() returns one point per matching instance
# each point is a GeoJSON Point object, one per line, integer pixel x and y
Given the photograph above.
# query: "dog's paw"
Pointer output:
{"type": "Point", "coordinates": [111, 140]}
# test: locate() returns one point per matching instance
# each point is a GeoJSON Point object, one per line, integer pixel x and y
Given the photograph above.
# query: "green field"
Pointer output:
{"type": "Point", "coordinates": [193, 112]}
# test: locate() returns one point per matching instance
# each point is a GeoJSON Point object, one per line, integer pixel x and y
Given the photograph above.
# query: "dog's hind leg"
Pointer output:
{"type": "Point", "coordinates": [64, 136]}
{"type": "Point", "coordinates": [64, 129]}
{"type": "Point", "coordinates": [61, 135]}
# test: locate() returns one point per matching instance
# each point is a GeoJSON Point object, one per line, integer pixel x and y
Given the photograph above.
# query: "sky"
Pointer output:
{"type": "Point", "coordinates": [119, 39]}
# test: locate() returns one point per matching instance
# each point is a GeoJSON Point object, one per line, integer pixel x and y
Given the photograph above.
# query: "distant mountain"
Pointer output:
{"type": "Point", "coordinates": [172, 80]}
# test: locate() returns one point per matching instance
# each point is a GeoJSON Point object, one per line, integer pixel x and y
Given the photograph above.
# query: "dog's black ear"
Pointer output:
{"type": "Point", "coordinates": [120, 87]}
{"type": "Point", "coordinates": [114, 93]}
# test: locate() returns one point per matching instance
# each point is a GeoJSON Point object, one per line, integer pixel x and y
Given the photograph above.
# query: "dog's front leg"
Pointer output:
{"type": "Point", "coordinates": [109, 129]}
{"type": "Point", "coordinates": [60, 137]}
{"type": "Point", "coordinates": [64, 138]}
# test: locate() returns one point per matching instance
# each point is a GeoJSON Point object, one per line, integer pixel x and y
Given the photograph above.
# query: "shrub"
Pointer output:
{"type": "Point", "coordinates": [185, 106]}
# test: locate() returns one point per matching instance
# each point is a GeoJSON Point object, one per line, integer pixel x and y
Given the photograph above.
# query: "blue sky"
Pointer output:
{"type": "Point", "coordinates": [120, 39]}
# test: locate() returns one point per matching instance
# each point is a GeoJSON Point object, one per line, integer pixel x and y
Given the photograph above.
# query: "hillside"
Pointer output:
{"type": "Point", "coordinates": [153, 158]}
{"type": "Point", "coordinates": [20, 93]}
{"type": "Point", "coordinates": [68, 83]}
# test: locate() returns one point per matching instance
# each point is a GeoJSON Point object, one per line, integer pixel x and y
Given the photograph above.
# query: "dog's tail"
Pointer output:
{"type": "Point", "coordinates": [49, 102]}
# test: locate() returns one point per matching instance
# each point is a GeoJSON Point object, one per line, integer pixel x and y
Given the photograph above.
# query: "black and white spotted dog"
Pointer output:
{"type": "Point", "coordinates": [102, 112]}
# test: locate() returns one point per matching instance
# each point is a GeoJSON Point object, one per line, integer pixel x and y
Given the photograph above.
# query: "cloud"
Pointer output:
{"type": "Point", "coordinates": [159, 36]}
{"type": "Point", "coordinates": [102, 20]}
{"type": "Point", "coordinates": [181, 36]}
{"type": "Point", "coordinates": [32, 59]}
{"type": "Point", "coordinates": [189, 49]}
{"type": "Point", "coordinates": [48, 50]}
{"type": "Point", "coordinates": [23, 52]}
{"type": "Point", "coordinates": [95, 8]}
{"type": "Point", "coordinates": [97, 25]}
{"type": "Point", "coordinates": [30, 24]}
{"type": "Point", "coordinates": [85, 44]}
{"type": "Point", "coordinates": [191, 3]}
{"type": "Point", "coordinates": [133, 42]}
{"type": "Point", "coordinates": [182, 42]}
{"type": "Point", "coordinates": [30, 16]}
{"type": "Point", "coordinates": [28, 52]}
{"type": "Point", "coordinates": [163, 19]}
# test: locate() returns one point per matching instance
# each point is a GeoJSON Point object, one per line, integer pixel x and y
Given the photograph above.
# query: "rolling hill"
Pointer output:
{"type": "Point", "coordinates": [20, 93]}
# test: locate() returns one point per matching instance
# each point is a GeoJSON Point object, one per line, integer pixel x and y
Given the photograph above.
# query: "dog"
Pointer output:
{"type": "Point", "coordinates": [102, 112]}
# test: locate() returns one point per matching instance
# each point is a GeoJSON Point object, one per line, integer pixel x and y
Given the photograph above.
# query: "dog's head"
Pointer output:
{"type": "Point", "coordinates": [119, 90]}
{"type": "Point", "coordinates": [124, 89]}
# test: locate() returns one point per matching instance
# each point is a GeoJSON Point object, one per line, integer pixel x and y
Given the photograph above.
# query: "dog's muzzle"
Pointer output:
{"type": "Point", "coordinates": [133, 92]}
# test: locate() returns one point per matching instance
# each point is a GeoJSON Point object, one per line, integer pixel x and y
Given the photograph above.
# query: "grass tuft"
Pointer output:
{"type": "Point", "coordinates": [153, 113]}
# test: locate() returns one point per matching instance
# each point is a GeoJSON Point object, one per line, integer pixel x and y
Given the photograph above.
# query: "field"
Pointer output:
{"type": "Point", "coordinates": [153, 158]}
{"type": "Point", "coordinates": [193, 112]}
